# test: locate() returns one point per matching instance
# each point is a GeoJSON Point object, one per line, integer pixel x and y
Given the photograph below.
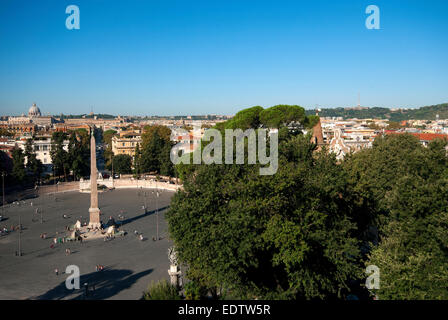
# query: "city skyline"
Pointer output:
{"type": "Point", "coordinates": [157, 58]}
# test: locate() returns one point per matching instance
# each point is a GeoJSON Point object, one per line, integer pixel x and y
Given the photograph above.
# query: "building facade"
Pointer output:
{"type": "Point", "coordinates": [126, 144]}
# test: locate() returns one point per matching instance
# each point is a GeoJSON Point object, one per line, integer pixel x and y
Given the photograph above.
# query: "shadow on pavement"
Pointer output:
{"type": "Point", "coordinates": [141, 216]}
{"type": "Point", "coordinates": [102, 285]}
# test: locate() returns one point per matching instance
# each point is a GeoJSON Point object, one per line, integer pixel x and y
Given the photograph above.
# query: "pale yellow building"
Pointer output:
{"type": "Point", "coordinates": [125, 144]}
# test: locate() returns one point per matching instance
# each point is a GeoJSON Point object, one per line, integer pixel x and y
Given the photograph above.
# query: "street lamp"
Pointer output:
{"type": "Point", "coordinates": [157, 211]}
{"type": "Point", "coordinates": [112, 162]}
{"type": "Point", "coordinates": [3, 189]}
{"type": "Point", "coordinates": [121, 218]}
{"type": "Point", "coordinates": [38, 209]}
{"type": "Point", "coordinates": [54, 181]}
{"type": "Point", "coordinates": [145, 194]}
{"type": "Point", "coordinates": [19, 252]}
{"type": "Point", "coordinates": [20, 234]}
{"type": "Point", "coordinates": [157, 193]}
{"type": "Point", "coordinates": [41, 209]}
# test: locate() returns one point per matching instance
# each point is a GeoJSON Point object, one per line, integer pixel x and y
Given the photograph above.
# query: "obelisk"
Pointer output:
{"type": "Point", "coordinates": [94, 211]}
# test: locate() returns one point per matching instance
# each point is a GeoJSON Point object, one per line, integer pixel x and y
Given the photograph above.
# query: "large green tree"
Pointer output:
{"type": "Point", "coordinates": [122, 164]}
{"type": "Point", "coordinates": [79, 154]}
{"type": "Point", "coordinates": [107, 141]}
{"type": "Point", "coordinates": [282, 115]}
{"type": "Point", "coordinates": [18, 165]}
{"type": "Point", "coordinates": [403, 187]}
{"type": "Point", "coordinates": [310, 229]}
{"type": "Point", "coordinates": [33, 164]}
{"type": "Point", "coordinates": [137, 160]}
{"type": "Point", "coordinates": [162, 131]}
{"type": "Point", "coordinates": [5, 162]}
{"type": "Point", "coordinates": [59, 156]}
{"type": "Point", "coordinates": [156, 147]}
{"type": "Point", "coordinates": [288, 235]}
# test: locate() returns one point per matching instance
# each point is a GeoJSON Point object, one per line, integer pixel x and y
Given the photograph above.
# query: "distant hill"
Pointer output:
{"type": "Point", "coordinates": [423, 113]}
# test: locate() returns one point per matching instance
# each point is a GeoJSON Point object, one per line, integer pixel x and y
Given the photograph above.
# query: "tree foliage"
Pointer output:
{"type": "Point", "coordinates": [107, 141]}
{"type": "Point", "coordinates": [33, 165]}
{"type": "Point", "coordinates": [289, 235]}
{"type": "Point", "coordinates": [404, 189]}
{"type": "Point", "coordinates": [309, 230]}
{"type": "Point", "coordinates": [137, 160]}
{"type": "Point", "coordinates": [245, 119]}
{"type": "Point", "coordinates": [423, 113]}
{"type": "Point", "coordinates": [122, 163]}
{"type": "Point", "coordinates": [282, 115]}
{"type": "Point", "coordinates": [156, 147]}
{"type": "Point", "coordinates": [5, 163]}
{"type": "Point", "coordinates": [149, 131]}
{"type": "Point", "coordinates": [59, 156]}
{"type": "Point", "coordinates": [274, 117]}
{"type": "Point", "coordinates": [161, 290]}
{"type": "Point", "coordinates": [18, 165]}
{"type": "Point", "coordinates": [76, 159]}
{"type": "Point", "coordinates": [79, 153]}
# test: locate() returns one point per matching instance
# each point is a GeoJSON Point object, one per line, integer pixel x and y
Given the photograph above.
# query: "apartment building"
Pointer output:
{"type": "Point", "coordinates": [42, 148]}
{"type": "Point", "coordinates": [125, 143]}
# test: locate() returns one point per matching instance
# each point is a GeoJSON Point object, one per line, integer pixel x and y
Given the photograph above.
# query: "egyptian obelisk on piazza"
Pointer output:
{"type": "Point", "coordinates": [94, 222]}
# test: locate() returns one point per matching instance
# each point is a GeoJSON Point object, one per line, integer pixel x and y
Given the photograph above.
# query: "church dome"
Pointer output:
{"type": "Point", "coordinates": [34, 111]}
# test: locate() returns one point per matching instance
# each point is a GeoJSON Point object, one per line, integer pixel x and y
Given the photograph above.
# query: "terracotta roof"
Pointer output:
{"type": "Point", "coordinates": [430, 136]}
{"type": "Point", "coordinates": [422, 136]}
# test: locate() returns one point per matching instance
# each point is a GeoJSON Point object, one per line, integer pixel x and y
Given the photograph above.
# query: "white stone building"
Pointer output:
{"type": "Point", "coordinates": [42, 148]}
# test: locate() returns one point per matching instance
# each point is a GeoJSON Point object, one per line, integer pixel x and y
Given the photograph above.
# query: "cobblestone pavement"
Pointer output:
{"type": "Point", "coordinates": [130, 264]}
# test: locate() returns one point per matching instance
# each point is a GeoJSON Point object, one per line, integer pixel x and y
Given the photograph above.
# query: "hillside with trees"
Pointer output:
{"type": "Point", "coordinates": [423, 113]}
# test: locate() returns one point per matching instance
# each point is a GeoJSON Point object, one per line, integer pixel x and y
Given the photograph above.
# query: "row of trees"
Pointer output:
{"type": "Point", "coordinates": [310, 230]}
{"type": "Point", "coordinates": [24, 168]}
{"type": "Point", "coordinates": [155, 152]}
{"type": "Point", "coordinates": [404, 189]}
{"type": "Point", "coordinates": [76, 160]}
{"type": "Point", "coordinates": [422, 113]}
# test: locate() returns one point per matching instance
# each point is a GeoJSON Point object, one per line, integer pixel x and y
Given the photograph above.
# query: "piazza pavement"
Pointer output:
{"type": "Point", "coordinates": [130, 264]}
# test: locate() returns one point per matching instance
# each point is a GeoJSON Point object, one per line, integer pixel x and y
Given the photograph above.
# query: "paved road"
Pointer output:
{"type": "Point", "coordinates": [130, 264]}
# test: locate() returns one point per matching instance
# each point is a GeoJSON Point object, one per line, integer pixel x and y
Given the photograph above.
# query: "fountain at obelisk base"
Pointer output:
{"type": "Point", "coordinates": [94, 211]}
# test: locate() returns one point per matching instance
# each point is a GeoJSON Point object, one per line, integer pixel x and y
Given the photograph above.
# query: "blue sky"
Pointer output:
{"type": "Point", "coordinates": [216, 57]}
